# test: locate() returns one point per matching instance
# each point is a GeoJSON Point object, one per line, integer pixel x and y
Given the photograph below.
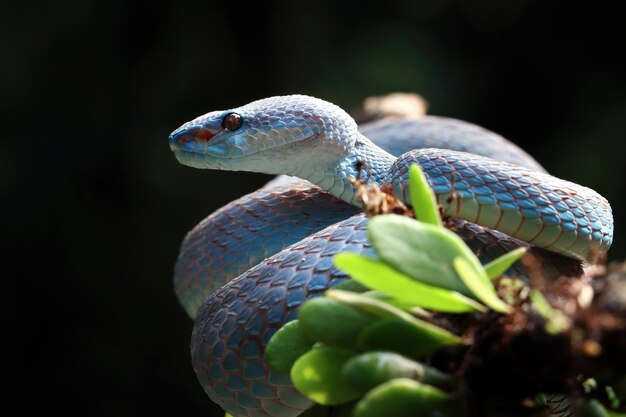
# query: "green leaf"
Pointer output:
{"type": "Point", "coordinates": [589, 385]}
{"type": "Point", "coordinates": [415, 338]}
{"type": "Point", "coordinates": [405, 398]}
{"type": "Point", "coordinates": [401, 304]}
{"type": "Point", "coordinates": [512, 290]}
{"type": "Point", "coordinates": [333, 323]}
{"type": "Point", "coordinates": [499, 265]}
{"type": "Point", "coordinates": [422, 251]}
{"type": "Point", "coordinates": [343, 410]}
{"type": "Point", "coordinates": [286, 346]}
{"type": "Point", "coordinates": [422, 197]}
{"type": "Point", "coordinates": [556, 322]}
{"type": "Point", "coordinates": [367, 305]}
{"type": "Point", "coordinates": [369, 370]}
{"type": "Point", "coordinates": [612, 396]}
{"type": "Point", "coordinates": [480, 285]}
{"type": "Point", "coordinates": [424, 335]}
{"type": "Point", "coordinates": [317, 375]}
{"type": "Point", "coordinates": [619, 389]}
{"type": "Point", "coordinates": [352, 286]}
{"type": "Point", "coordinates": [590, 408]}
{"type": "Point", "coordinates": [380, 276]}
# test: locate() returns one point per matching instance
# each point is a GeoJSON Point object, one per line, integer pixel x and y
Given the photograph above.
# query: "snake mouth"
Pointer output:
{"type": "Point", "coordinates": [206, 159]}
{"type": "Point", "coordinates": [192, 159]}
{"type": "Point", "coordinates": [209, 158]}
{"type": "Point", "coordinates": [231, 154]}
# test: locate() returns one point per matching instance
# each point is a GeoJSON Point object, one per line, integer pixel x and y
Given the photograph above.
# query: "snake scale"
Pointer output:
{"type": "Point", "coordinates": [244, 270]}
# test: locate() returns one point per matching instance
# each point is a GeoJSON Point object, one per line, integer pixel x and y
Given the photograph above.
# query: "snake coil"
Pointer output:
{"type": "Point", "coordinates": [244, 270]}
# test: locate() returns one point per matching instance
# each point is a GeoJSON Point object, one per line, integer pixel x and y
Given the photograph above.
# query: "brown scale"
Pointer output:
{"type": "Point", "coordinates": [377, 200]}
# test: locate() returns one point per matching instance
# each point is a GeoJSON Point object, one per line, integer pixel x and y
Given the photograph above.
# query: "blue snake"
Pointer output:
{"type": "Point", "coordinates": [244, 271]}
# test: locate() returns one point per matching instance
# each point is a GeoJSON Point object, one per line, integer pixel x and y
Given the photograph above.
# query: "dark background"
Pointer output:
{"type": "Point", "coordinates": [98, 206]}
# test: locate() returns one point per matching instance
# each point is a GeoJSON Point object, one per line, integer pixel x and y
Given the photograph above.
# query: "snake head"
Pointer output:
{"type": "Point", "coordinates": [276, 135]}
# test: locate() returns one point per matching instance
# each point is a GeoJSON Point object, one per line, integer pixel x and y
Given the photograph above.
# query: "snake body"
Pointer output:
{"type": "Point", "coordinates": [250, 265]}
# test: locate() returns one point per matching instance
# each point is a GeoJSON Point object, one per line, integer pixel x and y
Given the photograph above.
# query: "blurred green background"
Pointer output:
{"type": "Point", "coordinates": [98, 206]}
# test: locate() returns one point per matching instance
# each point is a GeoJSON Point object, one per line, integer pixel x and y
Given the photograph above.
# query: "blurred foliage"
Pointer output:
{"type": "Point", "coordinates": [366, 351]}
{"type": "Point", "coordinates": [98, 206]}
{"type": "Point", "coordinates": [353, 346]}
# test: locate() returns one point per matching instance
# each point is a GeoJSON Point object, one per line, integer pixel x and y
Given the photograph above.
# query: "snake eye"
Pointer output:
{"type": "Point", "coordinates": [232, 121]}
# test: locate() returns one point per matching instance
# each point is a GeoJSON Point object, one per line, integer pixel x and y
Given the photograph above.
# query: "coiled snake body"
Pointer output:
{"type": "Point", "coordinates": [246, 268]}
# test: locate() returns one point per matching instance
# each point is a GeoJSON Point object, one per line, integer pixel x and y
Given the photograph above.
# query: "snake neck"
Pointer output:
{"type": "Point", "coordinates": [373, 162]}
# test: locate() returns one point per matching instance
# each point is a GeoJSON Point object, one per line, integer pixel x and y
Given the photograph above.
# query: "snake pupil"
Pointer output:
{"type": "Point", "coordinates": [232, 121]}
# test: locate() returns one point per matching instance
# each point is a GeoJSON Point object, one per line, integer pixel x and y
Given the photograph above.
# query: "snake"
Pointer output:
{"type": "Point", "coordinates": [244, 271]}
